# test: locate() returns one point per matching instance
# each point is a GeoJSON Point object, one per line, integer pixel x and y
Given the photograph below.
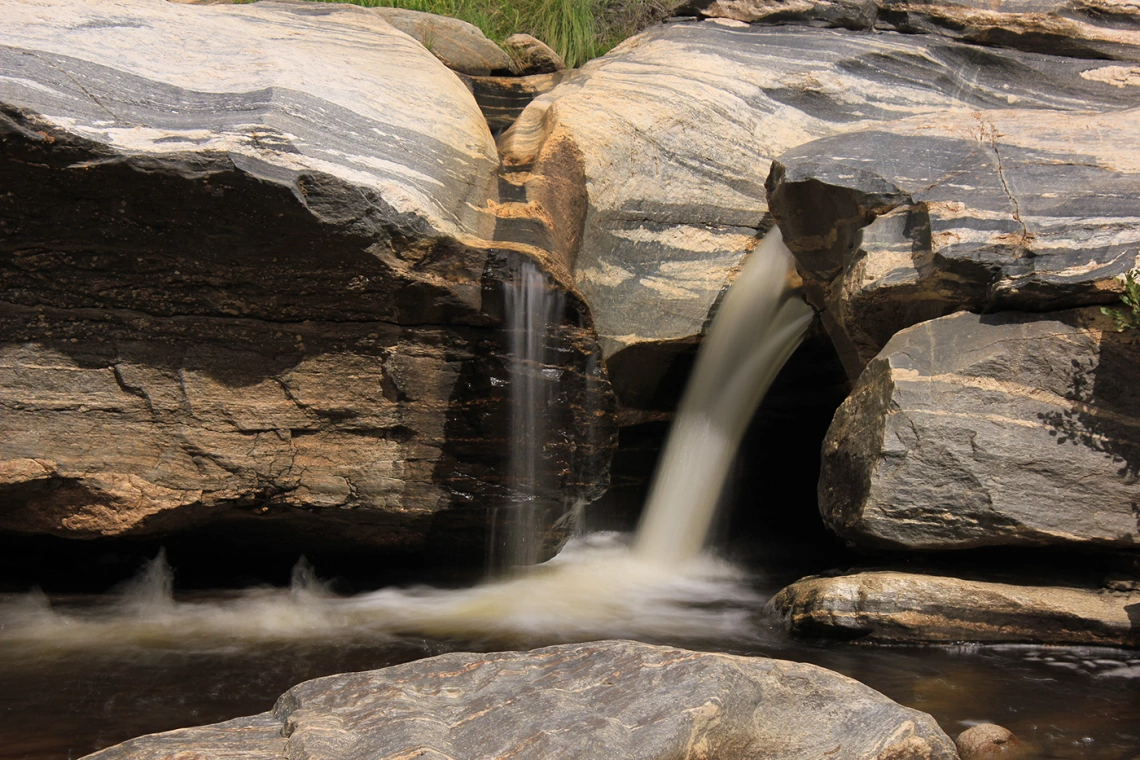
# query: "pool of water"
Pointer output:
{"type": "Point", "coordinates": [79, 673]}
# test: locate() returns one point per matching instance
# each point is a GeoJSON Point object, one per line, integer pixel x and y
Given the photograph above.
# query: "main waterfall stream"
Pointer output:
{"type": "Point", "coordinates": [80, 673]}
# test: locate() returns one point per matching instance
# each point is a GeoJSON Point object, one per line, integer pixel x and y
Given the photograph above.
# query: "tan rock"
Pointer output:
{"type": "Point", "coordinates": [906, 607]}
{"type": "Point", "coordinates": [987, 742]}
{"type": "Point", "coordinates": [532, 55]}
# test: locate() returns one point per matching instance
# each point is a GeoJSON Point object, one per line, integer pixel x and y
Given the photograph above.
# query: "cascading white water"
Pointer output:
{"type": "Point", "coordinates": [597, 587]}
{"type": "Point", "coordinates": [531, 307]}
{"type": "Point", "coordinates": [759, 325]}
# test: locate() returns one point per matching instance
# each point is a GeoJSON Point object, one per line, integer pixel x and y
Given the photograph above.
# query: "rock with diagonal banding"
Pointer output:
{"type": "Point", "coordinates": [1007, 429]}
{"type": "Point", "coordinates": [982, 209]}
{"type": "Point", "coordinates": [676, 130]}
{"type": "Point", "coordinates": [606, 699]}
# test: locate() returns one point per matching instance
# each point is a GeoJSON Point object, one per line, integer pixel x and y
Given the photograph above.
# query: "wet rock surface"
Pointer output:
{"type": "Point", "coordinates": [610, 698]}
{"type": "Point", "coordinates": [905, 607]}
{"type": "Point", "coordinates": [981, 430]}
{"type": "Point", "coordinates": [988, 741]}
{"type": "Point", "coordinates": [249, 283]}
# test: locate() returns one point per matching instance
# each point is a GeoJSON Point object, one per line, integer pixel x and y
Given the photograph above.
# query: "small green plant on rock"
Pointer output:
{"type": "Point", "coordinates": [1129, 317]}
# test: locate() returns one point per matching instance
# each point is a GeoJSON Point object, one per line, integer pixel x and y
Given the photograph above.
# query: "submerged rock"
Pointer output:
{"type": "Point", "coordinates": [604, 699]}
{"type": "Point", "coordinates": [256, 281]}
{"type": "Point", "coordinates": [988, 741]}
{"type": "Point", "coordinates": [985, 430]}
{"type": "Point", "coordinates": [675, 130]}
{"type": "Point", "coordinates": [904, 607]}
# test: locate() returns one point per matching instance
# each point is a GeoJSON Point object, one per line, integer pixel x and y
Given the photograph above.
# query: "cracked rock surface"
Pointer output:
{"type": "Point", "coordinates": [602, 699]}
{"type": "Point", "coordinates": [1006, 429]}
{"type": "Point", "coordinates": [246, 282]}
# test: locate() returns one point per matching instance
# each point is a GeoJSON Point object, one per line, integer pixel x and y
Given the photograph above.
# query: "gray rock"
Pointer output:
{"type": "Point", "coordinates": [1005, 210]}
{"type": "Point", "coordinates": [908, 608]}
{"type": "Point", "coordinates": [459, 45]}
{"type": "Point", "coordinates": [692, 114]}
{"type": "Point", "coordinates": [1002, 429]}
{"type": "Point", "coordinates": [1101, 29]}
{"type": "Point", "coordinates": [532, 55]}
{"type": "Point", "coordinates": [604, 699]}
{"type": "Point", "coordinates": [247, 284]}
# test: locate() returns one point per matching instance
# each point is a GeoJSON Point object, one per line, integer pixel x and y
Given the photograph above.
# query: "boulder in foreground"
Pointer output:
{"type": "Point", "coordinates": [616, 699]}
{"type": "Point", "coordinates": [906, 607]}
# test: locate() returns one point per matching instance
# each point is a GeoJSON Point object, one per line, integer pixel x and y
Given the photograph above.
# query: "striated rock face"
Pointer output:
{"type": "Point", "coordinates": [1004, 429]}
{"type": "Point", "coordinates": [903, 607]}
{"type": "Point", "coordinates": [676, 130]}
{"type": "Point", "coordinates": [604, 699]}
{"type": "Point", "coordinates": [246, 282]}
{"type": "Point", "coordinates": [1104, 29]}
{"type": "Point", "coordinates": [1005, 209]}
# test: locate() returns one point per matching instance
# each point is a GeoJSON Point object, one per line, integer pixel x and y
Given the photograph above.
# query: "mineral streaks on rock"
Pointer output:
{"type": "Point", "coordinates": [1002, 429]}
{"type": "Point", "coordinates": [603, 699]}
{"type": "Point", "coordinates": [904, 607]}
{"type": "Point", "coordinates": [994, 209]}
{"type": "Point", "coordinates": [251, 283]}
{"type": "Point", "coordinates": [271, 88]}
{"type": "Point", "coordinates": [1102, 29]}
{"type": "Point", "coordinates": [677, 128]}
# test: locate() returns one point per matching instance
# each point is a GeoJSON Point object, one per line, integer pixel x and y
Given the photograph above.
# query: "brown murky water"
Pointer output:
{"type": "Point", "coordinates": [82, 673]}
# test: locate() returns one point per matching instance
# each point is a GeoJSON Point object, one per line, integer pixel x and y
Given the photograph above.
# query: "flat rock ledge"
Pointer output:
{"type": "Point", "coordinates": [904, 607]}
{"type": "Point", "coordinates": [603, 699]}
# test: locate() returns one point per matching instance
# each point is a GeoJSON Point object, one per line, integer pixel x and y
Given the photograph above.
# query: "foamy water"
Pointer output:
{"type": "Point", "coordinates": [595, 588]}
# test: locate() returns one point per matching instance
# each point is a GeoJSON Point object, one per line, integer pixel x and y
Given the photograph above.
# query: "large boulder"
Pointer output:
{"type": "Point", "coordinates": [256, 281]}
{"type": "Point", "coordinates": [604, 699]}
{"type": "Point", "coordinates": [1103, 29]}
{"type": "Point", "coordinates": [673, 134]}
{"type": "Point", "coordinates": [908, 608]}
{"type": "Point", "coordinates": [985, 210]}
{"type": "Point", "coordinates": [981, 430]}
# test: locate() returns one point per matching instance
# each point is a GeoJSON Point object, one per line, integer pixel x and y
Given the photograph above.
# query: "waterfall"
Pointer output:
{"type": "Point", "coordinates": [595, 588]}
{"type": "Point", "coordinates": [532, 307]}
{"type": "Point", "coordinates": [758, 326]}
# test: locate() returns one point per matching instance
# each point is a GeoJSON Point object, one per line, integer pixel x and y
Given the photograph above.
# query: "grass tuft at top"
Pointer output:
{"type": "Point", "coordinates": [577, 29]}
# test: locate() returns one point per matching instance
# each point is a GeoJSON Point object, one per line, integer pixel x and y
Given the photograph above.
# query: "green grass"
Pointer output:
{"type": "Point", "coordinates": [577, 29]}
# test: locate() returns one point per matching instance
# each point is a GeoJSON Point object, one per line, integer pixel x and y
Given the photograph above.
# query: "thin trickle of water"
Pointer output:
{"type": "Point", "coordinates": [760, 323]}
{"type": "Point", "coordinates": [532, 308]}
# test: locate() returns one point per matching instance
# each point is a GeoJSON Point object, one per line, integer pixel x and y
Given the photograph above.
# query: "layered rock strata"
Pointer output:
{"type": "Point", "coordinates": [604, 699]}
{"type": "Point", "coordinates": [247, 282]}
{"type": "Point", "coordinates": [693, 114]}
{"type": "Point", "coordinates": [1101, 29]}
{"type": "Point", "coordinates": [903, 607]}
{"type": "Point", "coordinates": [986, 210]}
{"type": "Point", "coordinates": [979, 430]}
